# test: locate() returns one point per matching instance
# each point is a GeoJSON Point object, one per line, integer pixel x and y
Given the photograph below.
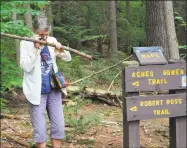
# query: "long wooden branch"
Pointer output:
{"type": "Point", "coordinates": [113, 80]}
{"type": "Point", "coordinates": [16, 140]}
{"type": "Point", "coordinates": [49, 44]}
{"type": "Point", "coordinates": [2, 115]}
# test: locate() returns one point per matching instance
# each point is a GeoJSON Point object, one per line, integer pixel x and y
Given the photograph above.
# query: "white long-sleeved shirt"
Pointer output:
{"type": "Point", "coordinates": [30, 62]}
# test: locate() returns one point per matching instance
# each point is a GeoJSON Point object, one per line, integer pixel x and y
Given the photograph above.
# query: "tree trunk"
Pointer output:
{"type": "Point", "coordinates": [102, 28]}
{"type": "Point", "coordinates": [128, 11]}
{"type": "Point", "coordinates": [50, 18]}
{"type": "Point", "coordinates": [129, 36]}
{"type": "Point", "coordinates": [100, 46]}
{"type": "Point", "coordinates": [155, 26]}
{"type": "Point", "coordinates": [28, 17]}
{"type": "Point", "coordinates": [170, 30]}
{"type": "Point", "coordinates": [17, 42]}
{"type": "Point", "coordinates": [112, 24]}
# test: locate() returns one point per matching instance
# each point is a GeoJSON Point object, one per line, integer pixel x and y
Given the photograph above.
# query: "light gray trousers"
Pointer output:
{"type": "Point", "coordinates": [52, 103]}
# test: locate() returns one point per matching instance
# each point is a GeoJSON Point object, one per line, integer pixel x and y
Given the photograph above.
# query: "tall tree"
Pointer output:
{"type": "Point", "coordinates": [17, 42]}
{"type": "Point", "coordinates": [28, 16]}
{"type": "Point", "coordinates": [128, 11]}
{"type": "Point", "coordinates": [155, 26]}
{"type": "Point", "coordinates": [160, 27]}
{"type": "Point", "coordinates": [102, 28]}
{"type": "Point", "coordinates": [112, 25]}
{"type": "Point", "coordinates": [128, 17]}
{"type": "Point", "coordinates": [50, 17]}
{"type": "Point", "coordinates": [170, 30]}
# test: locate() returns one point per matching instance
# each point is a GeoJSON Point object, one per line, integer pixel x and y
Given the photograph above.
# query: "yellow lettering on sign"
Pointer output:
{"type": "Point", "coordinates": [138, 74]}
{"type": "Point", "coordinates": [161, 112]}
{"type": "Point", "coordinates": [134, 108]}
{"type": "Point", "coordinates": [174, 101]}
{"type": "Point", "coordinates": [151, 73]}
{"type": "Point", "coordinates": [142, 74]}
{"type": "Point", "coordinates": [152, 55]}
{"type": "Point", "coordinates": [135, 83]}
{"type": "Point", "coordinates": [151, 103]}
{"type": "Point", "coordinates": [143, 56]}
{"type": "Point", "coordinates": [181, 71]}
{"type": "Point", "coordinates": [156, 55]}
{"type": "Point", "coordinates": [157, 81]}
{"type": "Point", "coordinates": [133, 75]}
{"type": "Point", "coordinates": [149, 55]}
{"type": "Point", "coordinates": [173, 72]}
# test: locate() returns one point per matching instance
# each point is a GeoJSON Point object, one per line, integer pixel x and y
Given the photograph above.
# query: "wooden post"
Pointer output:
{"type": "Point", "coordinates": [177, 128]}
{"type": "Point", "coordinates": [177, 125]}
{"type": "Point", "coordinates": [131, 129]}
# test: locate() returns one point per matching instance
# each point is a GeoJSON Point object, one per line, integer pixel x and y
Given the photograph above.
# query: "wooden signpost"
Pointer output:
{"type": "Point", "coordinates": [156, 76]}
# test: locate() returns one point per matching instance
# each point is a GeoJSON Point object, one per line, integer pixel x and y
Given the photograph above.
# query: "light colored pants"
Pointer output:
{"type": "Point", "coordinates": [51, 102]}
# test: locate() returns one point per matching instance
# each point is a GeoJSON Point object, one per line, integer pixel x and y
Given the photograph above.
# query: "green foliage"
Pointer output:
{"type": "Point", "coordinates": [180, 20]}
{"type": "Point", "coordinates": [71, 70]}
{"type": "Point", "coordinates": [79, 122]}
{"type": "Point", "coordinates": [18, 29]}
{"type": "Point", "coordinates": [131, 32]}
{"type": "Point", "coordinates": [88, 21]}
{"type": "Point", "coordinates": [3, 106]}
{"type": "Point", "coordinates": [11, 74]}
{"type": "Point", "coordinates": [182, 47]}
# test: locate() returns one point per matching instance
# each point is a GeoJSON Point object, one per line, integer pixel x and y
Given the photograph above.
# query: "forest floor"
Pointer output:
{"type": "Point", "coordinates": [108, 133]}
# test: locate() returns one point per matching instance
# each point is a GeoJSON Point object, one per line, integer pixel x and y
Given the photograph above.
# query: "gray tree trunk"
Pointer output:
{"type": "Point", "coordinates": [17, 42]}
{"type": "Point", "coordinates": [128, 17]}
{"type": "Point", "coordinates": [155, 26]}
{"type": "Point", "coordinates": [170, 30]}
{"type": "Point", "coordinates": [102, 28]}
{"type": "Point", "coordinates": [112, 25]}
{"type": "Point", "coordinates": [28, 17]}
{"type": "Point", "coordinates": [50, 17]}
{"type": "Point", "coordinates": [128, 11]}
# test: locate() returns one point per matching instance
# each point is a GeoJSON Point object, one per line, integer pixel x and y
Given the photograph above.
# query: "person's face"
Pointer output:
{"type": "Point", "coordinates": [43, 34]}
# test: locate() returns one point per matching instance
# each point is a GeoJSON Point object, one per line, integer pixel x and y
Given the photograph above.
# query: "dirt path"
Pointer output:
{"type": "Point", "coordinates": [107, 134]}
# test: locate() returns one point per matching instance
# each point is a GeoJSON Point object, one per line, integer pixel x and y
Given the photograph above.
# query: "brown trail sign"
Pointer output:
{"type": "Point", "coordinates": [160, 106]}
{"type": "Point", "coordinates": [154, 77]}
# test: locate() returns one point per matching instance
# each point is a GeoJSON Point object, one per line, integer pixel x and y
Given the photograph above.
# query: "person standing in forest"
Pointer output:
{"type": "Point", "coordinates": [37, 62]}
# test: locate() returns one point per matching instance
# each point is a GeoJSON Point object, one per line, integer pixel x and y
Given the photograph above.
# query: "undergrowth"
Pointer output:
{"type": "Point", "coordinates": [78, 121]}
{"type": "Point", "coordinates": [78, 68]}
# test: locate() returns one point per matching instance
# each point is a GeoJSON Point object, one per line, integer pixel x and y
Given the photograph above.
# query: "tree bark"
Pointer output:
{"type": "Point", "coordinates": [102, 28]}
{"type": "Point", "coordinates": [112, 25]}
{"type": "Point", "coordinates": [170, 30]}
{"type": "Point", "coordinates": [28, 16]}
{"type": "Point", "coordinates": [128, 17]}
{"type": "Point", "coordinates": [155, 26]}
{"type": "Point", "coordinates": [50, 18]}
{"type": "Point", "coordinates": [128, 11]}
{"type": "Point", "coordinates": [17, 42]}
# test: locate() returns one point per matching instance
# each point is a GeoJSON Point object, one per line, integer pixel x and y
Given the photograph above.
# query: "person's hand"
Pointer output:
{"type": "Point", "coordinates": [58, 46]}
{"type": "Point", "coordinates": [38, 45]}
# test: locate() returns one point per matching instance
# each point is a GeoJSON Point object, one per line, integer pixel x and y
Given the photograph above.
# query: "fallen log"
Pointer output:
{"type": "Point", "coordinates": [109, 97]}
{"type": "Point", "coordinates": [93, 92]}
{"type": "Point", "coordinates": [49, 44]}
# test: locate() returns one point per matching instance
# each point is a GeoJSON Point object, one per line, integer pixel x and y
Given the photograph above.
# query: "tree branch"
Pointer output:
{"type": "Point", "coordinates": [99, 71]}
